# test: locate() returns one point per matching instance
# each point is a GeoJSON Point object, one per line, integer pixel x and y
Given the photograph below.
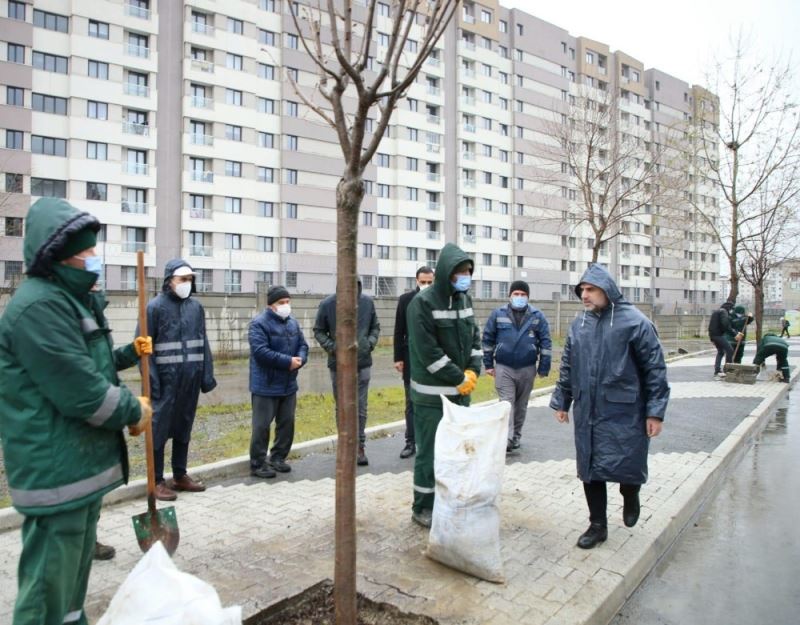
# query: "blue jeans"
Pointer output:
{"type": "Point", "coordinates": [723, 349]}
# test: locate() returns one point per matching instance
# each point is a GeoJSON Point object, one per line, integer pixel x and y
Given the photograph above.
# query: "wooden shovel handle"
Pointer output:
{"type": "Point", "coordinates": [145, 366]}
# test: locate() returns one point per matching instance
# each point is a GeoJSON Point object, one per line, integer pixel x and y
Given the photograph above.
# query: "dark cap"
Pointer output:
{"type": "Point", "coordinates": [76, 242]}
{"type": "Point", "coordinates": [519, 285]}
{"type": "Point", "coordinates": [276, 293]}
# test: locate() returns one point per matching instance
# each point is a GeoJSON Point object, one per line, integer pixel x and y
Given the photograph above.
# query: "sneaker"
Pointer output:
{"type": "Point", "coordinates": [423, 517]}
{"type": "Point", "coordinates": [264, 471]}
{"type": "Point", "coordinates": [719, 375]}
{"type": "Point", "coordinates": [103, 552]}
{"type": "Point", "coordinates": [409, 450]}
{"type": "Point", "coordinates": [280, 466]}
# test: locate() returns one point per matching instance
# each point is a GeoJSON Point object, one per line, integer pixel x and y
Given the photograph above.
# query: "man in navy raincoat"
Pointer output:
{"type": "Point", "coordinates": [614, 376]}
{"type": "Point", "coordinates": [181, 369]}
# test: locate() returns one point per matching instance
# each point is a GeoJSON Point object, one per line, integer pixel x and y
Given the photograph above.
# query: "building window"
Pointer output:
{"type": "Point", "coordinates": [292, 109]}
{"type": "Point", "coordinates": [96, 110]}
{"type": "Point", "coordinates": [267, 37]}
{"type": "Point", "coordinates": [265, 209]}
{"type": "Point", "coordinates": [291, 245]}
{"type": "Point", "coordinates": [234, 133]}
{"type": "Point", "coordinates": [291, 143]}
{"type": "Point", "coordinates": [13, 183]}
{"type": "Point", "coordinates": [486, 289]}
{"type": "Point", "coordinates": [50, 21]}
{"type": "Point", "coordinates": [383, 252]}
{"type": "Point", "coordinates": [99, 30]}
{"type": "Point", "coordinates": [48, 145]}
{"type": "Point", "coordinates": [265, 174]}
{"type": "Point", "coordinates": [233, 241]}
{"type": "Point", "coordinates": [15, 96]}
{"type": "Point", "coordinates": [266, 72]}
{"type": "Point", "coordinates": [14, 226]}
{"type": "Point", "coordinates": [291, 279]}
{"type": "Point", "coordinates": [233, 61]}
{"type": "Point", "coordinates": [15, 53]}
{"type": "Point", "coordinates": [96, 191]}
{"type": "Point", "coordinates": [366, 250]}
{"type": "Point", "coordinates": [233, 205]}
{"type": "Point", "coordinates": [47, 187]}
{"type": "Point", "coordinates": [233, 168]}
{"type": "Point", "coordinates": [13, 271]}
{"type": "Point", "coordinates": [98, 69]}
{"type": "Point", "coordinates": [233, 97]}
{"type": "Point", "coordinates": [14, 139]}
{"type": "Point", "coordinates": [233, 281]}
{"type": "Point", "coordinates": [16, 10]}
{"type": "Point", "coordinates": [265, 105]}
{"type": "Point", "coordinates": [290, 176]}
{"type": "Point", "coordinates": [235, 26]}
{"type": "Point", "coordinates": [266, 140]}
{"type": "Point", "coordinates": [291, 210]}
{"type": "Point", "coordinates": [264, 244]}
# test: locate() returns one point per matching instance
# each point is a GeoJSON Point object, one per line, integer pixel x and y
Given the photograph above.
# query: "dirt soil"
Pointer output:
{"type": "Point", "coordinates": [314, 606]}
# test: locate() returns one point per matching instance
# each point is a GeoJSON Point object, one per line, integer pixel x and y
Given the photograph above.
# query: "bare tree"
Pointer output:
{"type": "Point", "coordinates": [770, 235]}
{"type": "Point", "coordinates": [757, 132]}
{"type": "Point", "coordinates": [605, 166]}
{"type": "Point", "coordinates": [342, 48]}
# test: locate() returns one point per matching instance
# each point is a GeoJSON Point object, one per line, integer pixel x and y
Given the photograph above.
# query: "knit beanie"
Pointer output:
{"type": "Point", "coordinates": [76, 242]}
{"type": "Point", "coordinates": [276, 293]}
{"type": "Point", "coordinates": [519, 285]}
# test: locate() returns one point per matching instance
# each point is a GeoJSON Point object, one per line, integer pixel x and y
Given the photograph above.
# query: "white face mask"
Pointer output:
{"type": "Point", "coordinates": [283, 311]}
{"type": "Point", "coordinates": [422, 287]}
{"type": "Point", "coordinates": [183, 290]}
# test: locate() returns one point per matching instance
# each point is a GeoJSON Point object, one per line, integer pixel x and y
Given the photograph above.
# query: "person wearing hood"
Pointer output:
{"type": "Point", "coordinates": [739, 322]}
{"type": "Point", "coordinates": [445, 355]}
{"type": "Point", "coordinates": [614, 377]}
{"type": "Point", "coordinates": [62, 411]}
{"type": "Point", "coordinates": [401, 358]}
{"type": "Point", "coordinates": [181, 370]}
{"type": "Point", "coordinates": [368, 331]}
{"type": "Point", "coordinates": [516, 346]}
{"type": "Point", "coordinates": [719, 326]}
{"type": "Point", "coordinates": [277, 351]}
{"type": "Point", "coordinates": [772, 345]}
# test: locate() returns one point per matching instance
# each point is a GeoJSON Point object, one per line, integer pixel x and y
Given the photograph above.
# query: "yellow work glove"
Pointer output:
{"type": "Point", "coordinates": [147, 416]}
{"type": "Point", "coordinates": [143, 345]}
{"type": "Point", "coordinates": [469, 383]}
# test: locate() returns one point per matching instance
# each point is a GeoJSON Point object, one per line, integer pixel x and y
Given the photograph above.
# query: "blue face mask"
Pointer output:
{"type": "Point", "coordinates": [462, 283]}
{"type": "Point", "coordinates": [93, 264]}
{"type": "Point", "coordinates": [519, 301]}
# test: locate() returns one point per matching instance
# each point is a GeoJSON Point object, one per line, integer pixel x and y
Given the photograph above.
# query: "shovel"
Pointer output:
{"type": "Point", "coordinates": [154, 525]}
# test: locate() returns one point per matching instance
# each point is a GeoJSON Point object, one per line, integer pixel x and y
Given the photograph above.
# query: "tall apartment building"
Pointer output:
{"type": "Point", "coordinates": [175, 124]}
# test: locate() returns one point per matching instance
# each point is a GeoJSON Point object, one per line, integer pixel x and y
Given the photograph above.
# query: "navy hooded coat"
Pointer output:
{"type": "Point", "coordinates": [614, 376]}
{"type": "Point", "coordinates": [181, 365]}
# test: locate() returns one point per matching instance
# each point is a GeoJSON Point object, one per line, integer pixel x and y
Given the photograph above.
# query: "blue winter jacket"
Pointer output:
{"type": "Point", "coordinates": [273, 343]}
{"type": "Point", "coordinates": [506, 344]}
{"type": "Point", "coordinates": [614, 376]}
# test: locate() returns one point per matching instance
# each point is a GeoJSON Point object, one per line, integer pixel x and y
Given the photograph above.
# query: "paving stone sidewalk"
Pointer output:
{"type": "Point", "coordinates": [259, 542]}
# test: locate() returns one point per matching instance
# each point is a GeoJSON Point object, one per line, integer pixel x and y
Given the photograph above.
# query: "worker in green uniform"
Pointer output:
{"type": "Point", "coordinates": [445, 356]}
{"type": "Point", "coordinates": [772, 345]}
{"type": "Point", "coordinates": [62, 411]}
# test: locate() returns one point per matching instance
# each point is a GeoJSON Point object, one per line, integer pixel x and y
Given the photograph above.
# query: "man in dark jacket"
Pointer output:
{"type": "Point", "coordinates": [368, 332]}
{"type": "Point", "coordinates": [62, 411]}
{"type": "Point", "coordinates": [517, 338]}
{"type": "Point", "coordinates": [614, 376]}
{"type": "Point", "coordinates": [718, 327]}
{"type": "Point", "coordinates": [277, 351]}
{"type": "Point", "coordinates": [424, 280]}
{"type": "Point", "coordinates": [739, 321]}
{"type": "Point", "coordinates": [772, 345]}
{"type": "Point", "coordinates": [445, 355]}
{"type": "Point", "coordinates": [182, 368]}
{"type": "Point", "coordinates": [785, 328]}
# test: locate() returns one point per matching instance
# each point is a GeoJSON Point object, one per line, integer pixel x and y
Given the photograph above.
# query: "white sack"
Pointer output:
{"type": "Point", "coordinates": [157, 593]}
{"type": "Point", "coordinates": [469, 457]}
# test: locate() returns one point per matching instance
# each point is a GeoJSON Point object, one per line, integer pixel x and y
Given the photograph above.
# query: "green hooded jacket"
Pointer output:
{"type": "Point", "coordinates": [62, 409]}
{"type": "Point", "coordinates": [443, 338]}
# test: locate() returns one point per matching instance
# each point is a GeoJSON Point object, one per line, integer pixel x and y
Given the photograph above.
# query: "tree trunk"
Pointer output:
{"type": "Point", "coordinates": [734, 292]}
{"type": "Point", "coordinates": [595, 251]}
{"type": "Point", "coordinates": [349, 193]}
{"type": "Point", "coordinates": [759, 310]}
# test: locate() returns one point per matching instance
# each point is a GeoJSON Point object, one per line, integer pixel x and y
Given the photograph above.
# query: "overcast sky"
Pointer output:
{"type": "Point", "coordinates": [675, 36]}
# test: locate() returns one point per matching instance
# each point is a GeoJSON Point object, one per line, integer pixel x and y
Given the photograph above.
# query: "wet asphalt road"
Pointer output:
{"type": "Point", "coordinates": [738, 563]}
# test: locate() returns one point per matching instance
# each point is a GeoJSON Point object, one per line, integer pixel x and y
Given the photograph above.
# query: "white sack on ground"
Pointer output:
{"type": "Point", "coordinates": [469, 457]}
{"type": "Point", "coordinates": [157, 593]}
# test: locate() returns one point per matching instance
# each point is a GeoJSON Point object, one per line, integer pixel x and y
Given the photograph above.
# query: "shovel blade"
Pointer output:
{"type": "Point", "coordinates": [155, 525]}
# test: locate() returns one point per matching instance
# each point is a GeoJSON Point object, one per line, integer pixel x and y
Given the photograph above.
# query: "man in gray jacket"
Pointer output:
{"type": "Point", "coordinates": [368, 332]}
{"type": "Point", "coordinates": [614, 376]}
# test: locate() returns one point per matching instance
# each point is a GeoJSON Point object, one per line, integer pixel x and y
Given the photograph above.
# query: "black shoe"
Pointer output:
{"type": "Point", "coordinates": [264, 471]}
{"type": "Point", "coordinates": [592, 537]}
{"type": "Point", "coordinates": [630, 510]}
{"type": "Point", "coordinates": [515, 444]}
{"type": "Point", "coordinates": [362, 460]}
{"type": "Point", "coordinates": [103, 552]}
{"type": "Point", "coordinates": [280, 466]}
{"type": "Point", "coordinates": [408, 451]}
{"type": "Point", "coordinates": [423, 517]}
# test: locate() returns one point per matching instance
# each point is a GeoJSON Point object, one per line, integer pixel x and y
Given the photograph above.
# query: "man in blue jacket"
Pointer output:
{"type": "Point", "coordinates": [516, 346]}
{"type": "Point", "coordinates": [614, 376]}
{"type": "Point", "coordinates": [277, 351]}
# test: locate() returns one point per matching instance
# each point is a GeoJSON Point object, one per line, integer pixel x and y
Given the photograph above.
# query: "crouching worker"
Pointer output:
{"type": "Point", "coordinates": [62, 411]}
{"type": "Point", "coordinates": [772, 345]}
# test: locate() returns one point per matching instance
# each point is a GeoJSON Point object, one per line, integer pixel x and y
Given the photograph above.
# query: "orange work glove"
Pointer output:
{"type": "Point", "coordinates": [147, 416]}
{"type": "Point", "coordinates": [469, 383]}
{"type": "Point", "coordinates": [143, 345]}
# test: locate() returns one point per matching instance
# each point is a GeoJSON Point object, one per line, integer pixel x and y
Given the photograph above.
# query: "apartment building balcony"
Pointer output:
{"type": "Point", "coordinates": [202, 103]}
{"type": "Point", "coordinates": [198, 139]}
{"type": "Point", "coordinates": [131, 88]}
{"type": "Point", "coordinates": [136, 50]}
{"type": "Point", "coordinates": [200, 213]}
{"type": "Point", "coordinates": [469, 19]}
{"type": "Point", "coordinates": [469, 127]}
{"type": "Point", "coordinates": [434, 206]}
{"type": "Point", "coordinates": [468, 210]}
{"type": "Point", "coordinates": [139, 169]}
{"type": "Point", "coordinates": [432, 177]}
{"type": "Point", "coordinates": [201, 250]}
{"type": "Point", "coordinates": [432, 60]}
{"type": "Point", "coordinates": [203, 29]}
{"type": "Point", "coordinates": [434, 119]}
{"type": "Point", "coordinates": [468, 156]}
{"type": "Point", "coordinates": [139, 208]}
{"type": "Point", "coordinates": [137, 11]}
{"type": "Point", "coordinates": [132, 128]}
{"type": "Point", "coordinates": [203, 66]}
{"type": "Point", "coordinates": [202, 176]}
{"type": "Point", "coordinates": [468, 100]}
{"type": "Point", "coordinates": [469, 238]}
{"type": "Point", "coordinates": [468, 183]}
{"type": "Point", "coordinates": [468, 73]}
{"type": "Point", "coordinates": [434, 90]}
{"type": "Point", "coordinates": [433, 235]}
{"type": "Point", "coordinates": [131, 247]}
{"type": "Point", "coordinates": [467, 45]}
{"type": "Point", "coordinates": [433, 147]}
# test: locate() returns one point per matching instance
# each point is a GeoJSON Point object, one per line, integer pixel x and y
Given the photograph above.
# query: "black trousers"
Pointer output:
{"type": "Point", "coordinates": [409, 415]}
{"type": "Point", "coordinates": [265, 410]}
{"type": "Point", "coordinates": [723, 349]}
{"type": "Point", "coordinates": [180, 457]}
{"type": "Point", "coordinates": [597, 499]}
